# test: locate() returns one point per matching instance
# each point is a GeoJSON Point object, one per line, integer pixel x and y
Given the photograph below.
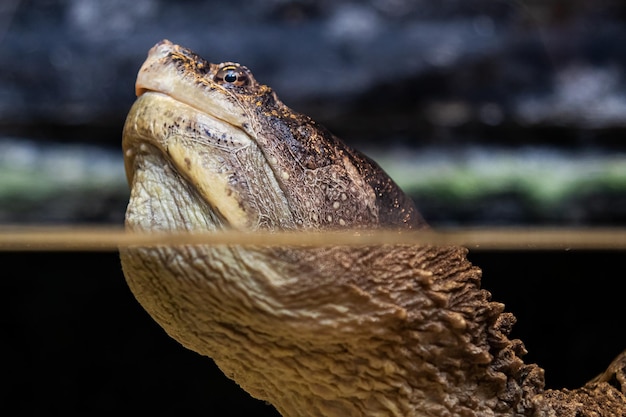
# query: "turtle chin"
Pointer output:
{"type": "Point", "coordinates": [162, 200]}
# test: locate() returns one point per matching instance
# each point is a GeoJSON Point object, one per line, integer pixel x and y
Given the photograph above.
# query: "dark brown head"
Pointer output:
{"type": "Point", "coordinates": [254, 162]}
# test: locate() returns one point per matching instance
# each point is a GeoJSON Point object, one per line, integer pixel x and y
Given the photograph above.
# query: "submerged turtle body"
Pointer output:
{"type": "Point", "coordinates": [390, 330]}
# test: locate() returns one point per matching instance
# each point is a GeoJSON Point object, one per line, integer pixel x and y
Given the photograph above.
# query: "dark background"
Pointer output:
{"type": "Point", "coordinates": [383, 74]}
{"type": "Point", "coordinates": [75, 342]}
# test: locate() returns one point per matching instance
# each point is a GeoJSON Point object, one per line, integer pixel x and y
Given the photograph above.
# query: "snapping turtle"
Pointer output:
{"type": "Point", "coordinates": [387, 330]}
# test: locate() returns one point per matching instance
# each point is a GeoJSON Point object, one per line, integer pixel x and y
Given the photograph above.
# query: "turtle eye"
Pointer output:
{"type": "Point", "coordinates": [233, 75]}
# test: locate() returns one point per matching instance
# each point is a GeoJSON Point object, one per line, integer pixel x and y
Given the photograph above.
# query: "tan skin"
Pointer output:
{"type": "Point", "coordinates": [390, 330]}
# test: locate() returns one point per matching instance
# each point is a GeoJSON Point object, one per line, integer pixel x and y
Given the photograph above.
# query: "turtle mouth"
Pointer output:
{"type": "Point", "coordinates": [162, 73]}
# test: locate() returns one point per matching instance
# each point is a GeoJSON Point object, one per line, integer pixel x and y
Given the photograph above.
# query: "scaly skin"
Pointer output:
{"type": "Point", "coordinates": [390, 330]}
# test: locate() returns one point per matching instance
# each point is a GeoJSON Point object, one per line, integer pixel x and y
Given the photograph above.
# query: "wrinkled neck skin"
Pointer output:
{"type": "Point", "coordinates": [338, 331]}
{"type": "Point", "coordinates": [342, 333]}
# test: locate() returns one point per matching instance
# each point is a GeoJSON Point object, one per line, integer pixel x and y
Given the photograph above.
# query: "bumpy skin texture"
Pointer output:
{"type": "Point", "coordinates": [336, 331]}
